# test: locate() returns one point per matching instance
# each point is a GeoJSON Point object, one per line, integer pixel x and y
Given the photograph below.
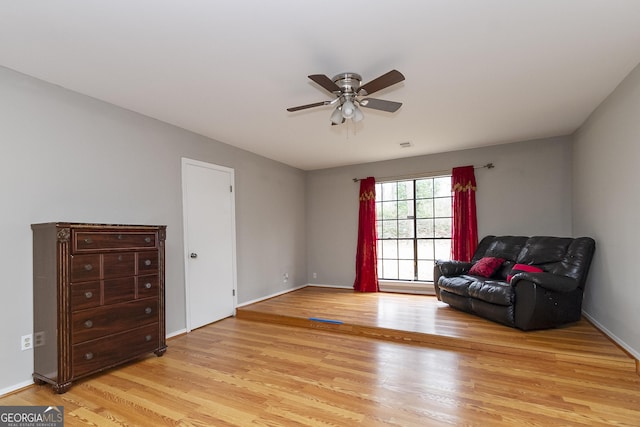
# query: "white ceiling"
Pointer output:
{"type": "Point", "coordinates": [478, 72]}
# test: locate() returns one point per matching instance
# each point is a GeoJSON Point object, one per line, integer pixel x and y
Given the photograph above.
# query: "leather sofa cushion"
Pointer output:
{"type": "Point", "coordinates": [507, 247]}
{"type": "Point", "coordinates": [543, 250]}
{"type": "Point", "coordinates": [492, 291]}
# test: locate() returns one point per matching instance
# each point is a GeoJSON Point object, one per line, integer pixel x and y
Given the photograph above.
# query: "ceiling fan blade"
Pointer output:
{"type": "Point", "coordinates": [381, 104]}
{"type": "Point", "coordinates": [304, 107]}
{"type": "Point", "coordinates": [325, 82]}
{"type": "Point", "coordinates": [385, 80]}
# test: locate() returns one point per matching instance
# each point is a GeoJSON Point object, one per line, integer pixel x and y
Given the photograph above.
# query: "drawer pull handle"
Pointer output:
{"type": "Point", "coordinates": [147, 262]}
{"type": "Point", "coordinates": [147, 338]}
{"type": "Point", "coordinates": [148, 310]}
{"type": "Point", "coordinates": [88, 356]}
{"type": "Point", "coordinates": [88, 241]}
{"type": "Point", "coordinates": [88, 267]}
{"type": "Point", "coordinates": [147, 285]}
{"type": "Point", "coordinates": [88, 295]}
{"type": "Point", "coordinates": [88, 324]}
{"type": "Point", "coordinates": [119, 236]}
{"type": "Point", "coordinates": [147, 239]}
{"type": "Point", "coordinates": [119, 257]}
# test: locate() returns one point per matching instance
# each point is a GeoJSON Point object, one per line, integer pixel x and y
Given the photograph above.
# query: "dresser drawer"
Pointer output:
{"type": "Point", "coordinates": [119, 264]}
{"type": "Point", "coordinates": [147, 262]}
{"type": "Point", "coordinates": [119, 290]}
{"type": "Point", "coordinates": [106, 320]}
{"type": "Point", "coordinates": [148, 286]}
{"type": "Point", "coordinates": [105, 352]}
{"type": "Point", "coordinates": [85, 268]}
{"type": "Point", "coordinates": [91, 240]}
{"type": "Point", "coordinates": [85, 295]}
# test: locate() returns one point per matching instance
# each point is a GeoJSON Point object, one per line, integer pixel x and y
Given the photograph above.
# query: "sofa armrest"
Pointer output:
{"type": "Point", "coordinates": [447, 269]}
{"type": "Point", "coordinates": [549, 281]}
{"type": "Point", "coordinates": [453, 268]}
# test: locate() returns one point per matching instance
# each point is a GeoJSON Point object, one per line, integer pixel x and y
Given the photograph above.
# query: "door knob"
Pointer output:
{"type": "Point", "coordinates": [193, 255]}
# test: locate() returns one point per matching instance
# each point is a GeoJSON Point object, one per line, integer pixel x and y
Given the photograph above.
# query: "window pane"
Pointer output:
{"type": "Point", "coordinates": [442, 207]}
{"type": "Point", "coordinates": [405, 228]}
{"type": "Point", "coordinates": [443, 249]}
{"type": "Point", "coordinates": [405, 249]}
{"type": "Point", "coordinates": [424, 208]}
{"type": "Point", "coordinates": [425, 270]}
{"type": "Point", "coordinates": [425, 228]}
{"type": "Point", "coordinates": [406, 270]}
{"type": "Point", "coordinates": [389, 249]}
{"type": "Point", "coordinates": [442, 186]}
{"type": "Point", "coordinates": [389, 210]}
{"type": "Point", "coordinates": [378, 211]}
{"type": "Point", "coordinates": [443, 227]}
{"type": "Point", "coordinates": [424, 188]}
{"type": "Point", "coordinates": [405, 209]}
{"type": "Point", "coordinates": [390, 268]}
{"type": "Point", "coordinates": [389, 229]}
{"type": "Point", "coordinates": [388, 191]}
{"type": "Point", "coordinates": [379, 229]}
{"type": "Point", "coordinates": [425, 249]}
{"type": "Point", "coordinates": [405, 190]}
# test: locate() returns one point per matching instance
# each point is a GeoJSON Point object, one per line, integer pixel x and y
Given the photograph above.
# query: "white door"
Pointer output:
{"type": "Point", "coordinates": [209, 234]}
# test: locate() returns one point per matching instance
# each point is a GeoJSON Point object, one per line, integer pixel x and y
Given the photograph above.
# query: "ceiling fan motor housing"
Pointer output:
{"type": "Point", "coordinates": [348, 82]}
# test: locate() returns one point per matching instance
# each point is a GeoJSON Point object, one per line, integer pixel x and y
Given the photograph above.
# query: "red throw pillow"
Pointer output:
{"type": "Point", "coordinates": [486, 266]}
{"type": "Point", "coordinates": [519, 268]}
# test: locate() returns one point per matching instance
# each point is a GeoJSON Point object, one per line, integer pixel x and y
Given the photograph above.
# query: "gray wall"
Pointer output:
{"type": "Point", "coordinates": [527, 193]}
{"type": "Point", "coordinates": [67, 157]}
{"type": "Point", "coordinates": [606, 153]}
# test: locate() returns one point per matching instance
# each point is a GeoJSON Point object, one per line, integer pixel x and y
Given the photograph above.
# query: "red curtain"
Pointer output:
{"type": "Point", "coordinates": [465, 223]}
{"type": "Point", "coordinates": [366, 256]}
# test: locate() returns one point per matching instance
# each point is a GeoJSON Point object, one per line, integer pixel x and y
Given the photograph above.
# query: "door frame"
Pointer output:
{"type": "Point", "coordinates": [185, 226]}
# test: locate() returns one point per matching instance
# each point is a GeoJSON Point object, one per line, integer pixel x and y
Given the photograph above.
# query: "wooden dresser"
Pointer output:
{"type": "Point", "coordinates": [98, 298]}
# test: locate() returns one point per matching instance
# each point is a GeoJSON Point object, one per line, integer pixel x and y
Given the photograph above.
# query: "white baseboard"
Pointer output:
{"type": "Point", "coordinates": [635, 353]}
{"type": "Point", "coordinates": [15, 387]}
{"type": "Point", "coordinates": [320, 285]}
{"type": "Point", "coordinates": [176, 333]}
{"type": "Point", "coordinates": [286, 291]}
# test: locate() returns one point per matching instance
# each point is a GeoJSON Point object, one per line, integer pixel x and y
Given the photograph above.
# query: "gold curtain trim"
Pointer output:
{"type": "Point", "coordinates": [462, 188]}
{"type": "Point", "coordinates": [367, 195]}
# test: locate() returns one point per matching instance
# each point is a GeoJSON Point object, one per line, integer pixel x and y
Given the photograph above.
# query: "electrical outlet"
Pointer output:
{"type": "Point", "coordinates": [26, 342]}
{"type": "Point", "coordinates": [315, 275]}
{"type": "Point", "coordinates": [285, 277]}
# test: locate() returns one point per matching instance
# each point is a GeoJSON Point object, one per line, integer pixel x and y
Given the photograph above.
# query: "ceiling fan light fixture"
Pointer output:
{"type": "Point", "coordinates": [348, 109]}
{"type": "Point", "coordinates": [336, 116]}
{"type": "Point", "coordinates": [357, 115]}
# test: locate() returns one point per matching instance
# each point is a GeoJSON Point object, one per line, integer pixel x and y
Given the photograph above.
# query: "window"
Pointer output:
{"type": "Point", "coordinates": [413, 220]}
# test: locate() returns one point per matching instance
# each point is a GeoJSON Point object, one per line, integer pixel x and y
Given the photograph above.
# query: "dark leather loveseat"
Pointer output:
{"type": "Point", "coordinates": [515, 297]}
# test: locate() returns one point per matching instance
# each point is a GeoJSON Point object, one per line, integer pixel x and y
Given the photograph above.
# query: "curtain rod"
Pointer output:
{"type": "Point", "coordinates": [420, 175]}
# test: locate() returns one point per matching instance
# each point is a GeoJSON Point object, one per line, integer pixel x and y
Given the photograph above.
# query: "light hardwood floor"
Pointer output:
{"type": "Point", "coordinates": [244, 372]}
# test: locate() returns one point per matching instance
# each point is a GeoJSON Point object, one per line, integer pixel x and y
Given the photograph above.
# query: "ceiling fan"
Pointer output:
{"type": "Point", "coordinates": [350, 94]}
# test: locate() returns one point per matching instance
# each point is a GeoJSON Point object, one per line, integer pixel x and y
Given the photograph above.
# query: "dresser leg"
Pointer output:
{"type": "Point", "coordinates": [160, 352]}
{"type": "Point", "coordinates": [62, 388]}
